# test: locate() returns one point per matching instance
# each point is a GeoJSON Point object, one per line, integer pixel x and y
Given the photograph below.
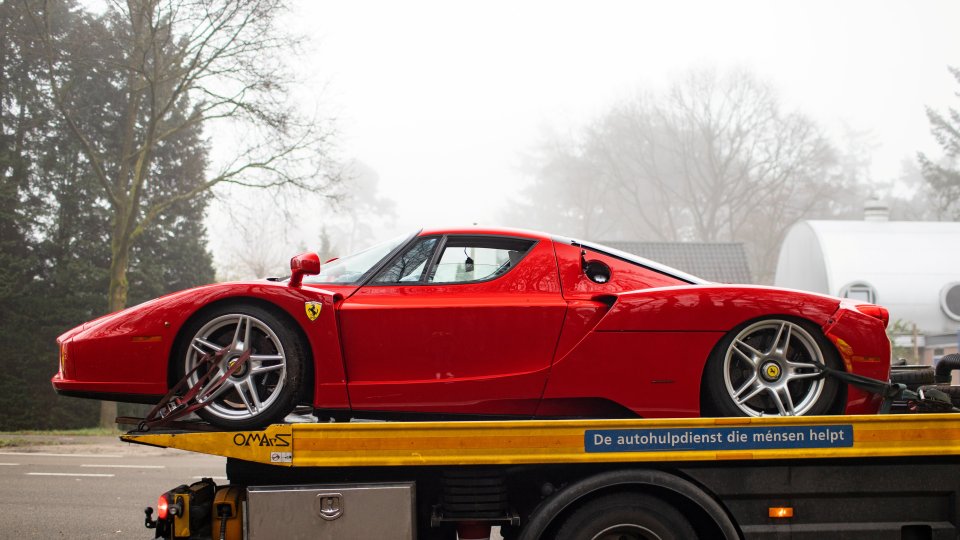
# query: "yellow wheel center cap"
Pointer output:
{"type": "Point", "coordinates": [239, 372]}
{"type": "Point", "coordinates": [771, 371]}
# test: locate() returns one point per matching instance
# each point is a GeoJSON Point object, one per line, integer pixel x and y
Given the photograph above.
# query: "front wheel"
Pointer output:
{"type": "Point", "coordinates": [626, 516]}
{"type": "Point", "coordinates": [263, 390]}
{"type": "Point", "coordinates": [770, 367]}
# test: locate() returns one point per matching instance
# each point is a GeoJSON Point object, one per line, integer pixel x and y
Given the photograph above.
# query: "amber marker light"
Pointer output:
{"type": "Point", "coordinates": [781, 512]}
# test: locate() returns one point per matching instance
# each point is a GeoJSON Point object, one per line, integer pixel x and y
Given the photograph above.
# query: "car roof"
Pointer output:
{"type": "Point", "coordinates": [524, 233]}
{"type": "Point", "coordinates": [496, 231]}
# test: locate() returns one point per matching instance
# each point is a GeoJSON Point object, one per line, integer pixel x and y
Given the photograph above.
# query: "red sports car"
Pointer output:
{"type": "Point", "coordinates": [484, 323]}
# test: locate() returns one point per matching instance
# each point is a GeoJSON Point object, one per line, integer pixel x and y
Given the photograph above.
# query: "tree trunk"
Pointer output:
{"type": "Point", "coordinates": [116, 299]}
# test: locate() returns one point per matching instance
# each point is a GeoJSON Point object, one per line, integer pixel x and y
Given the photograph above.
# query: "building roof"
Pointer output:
{"type": "Point", "coordinates": [723, 262]}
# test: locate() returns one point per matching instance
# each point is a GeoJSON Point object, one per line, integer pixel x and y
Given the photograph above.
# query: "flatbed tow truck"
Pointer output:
{"type": "Point", "coordinates": [890, 476]}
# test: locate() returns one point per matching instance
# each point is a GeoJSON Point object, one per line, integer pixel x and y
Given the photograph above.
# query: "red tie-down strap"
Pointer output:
{"type": "Point", "coordinates": [178, 403]}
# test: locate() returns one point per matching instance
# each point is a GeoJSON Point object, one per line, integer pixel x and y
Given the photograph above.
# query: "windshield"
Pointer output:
{"type": "Point", "coordinates": [351, 268]}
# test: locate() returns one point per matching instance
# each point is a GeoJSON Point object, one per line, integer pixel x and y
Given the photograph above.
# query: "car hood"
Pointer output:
{"type": "Point", "coordinates": [191, 297]}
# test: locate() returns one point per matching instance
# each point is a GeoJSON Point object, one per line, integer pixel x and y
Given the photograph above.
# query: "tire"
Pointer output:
{"type": "Point", "coordinates": [267, 387]}
{"type": "Point", "coordinates": [627, 516]}
{"type": "Point", "coordinates": [770, 367]}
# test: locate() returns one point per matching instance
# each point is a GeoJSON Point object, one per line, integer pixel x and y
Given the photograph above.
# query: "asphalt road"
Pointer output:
{"type": "Point", "coordinates": [96, 490]}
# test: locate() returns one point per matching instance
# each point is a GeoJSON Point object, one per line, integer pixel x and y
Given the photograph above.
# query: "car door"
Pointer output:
{"type": "Point", "coordinates": [460, 324]}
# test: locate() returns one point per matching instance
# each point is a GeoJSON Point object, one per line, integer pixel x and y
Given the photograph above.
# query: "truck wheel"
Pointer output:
{"type": "Point", "coordinates": [626, 516]}
{"type": "Point", "coordinates": [770, 367]}
{"type": "Point", "coordinates": [267, 387]}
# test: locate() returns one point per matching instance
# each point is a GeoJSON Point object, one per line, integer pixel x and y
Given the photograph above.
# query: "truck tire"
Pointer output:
{"type": "Point", "coordinates": [629, 516]}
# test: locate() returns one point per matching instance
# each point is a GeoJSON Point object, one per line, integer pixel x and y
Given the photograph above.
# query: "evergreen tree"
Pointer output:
{"type": "Point", "coordinates": [171, 68]}
{"type": "Point", "coordinates": [55, 223]}
{"type": "Point", "coordinates": [944, 176]}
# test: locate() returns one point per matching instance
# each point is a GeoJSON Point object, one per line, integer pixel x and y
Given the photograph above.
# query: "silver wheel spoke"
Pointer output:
{"type": "Point", "coordinates": [810, 371]}
{"type": "Point", "coordinates": [783, 400]}
{"type": "Point", "coordinates": [747, 385]}
{"type": "Point", "coordinates": [804, 365]}
{"type": "Point", "coordinates": [203, 346]}
{"type": "Point", "coordinates": [236, 334]}
{"type": "Point", "coordinates": [751, 358]}
{"type": "Point", "coordinates": [246, 332]}
{"type": "Point", "coordinates": [256, 362]}
{"type": "Point", "coordinates": [241, 334]}
{"type": "Point", "coordinates": [757, 388]}
{"type": "Point", "coordinates": [216, 393]}
{"type": "Point", "coordinates": [258, 369]}
{"type": "Point", "coordinates": [265, 358]}
{"type": "Point", "coordinates": [248, 394]}
{"type": "Point", "coordinates": [782, 341]}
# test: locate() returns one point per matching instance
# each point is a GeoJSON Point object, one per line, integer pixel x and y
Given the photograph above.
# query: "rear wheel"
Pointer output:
{"type": "Point", "coordinates": [626, 516]}
{"type": "Point", "coordinates": [771, 367]}
{"type": "Point", "coordinates": [263, 390]}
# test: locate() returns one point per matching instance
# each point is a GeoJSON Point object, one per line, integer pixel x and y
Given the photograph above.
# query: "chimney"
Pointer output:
{"type": "Point", "coordinates": [876, 210]}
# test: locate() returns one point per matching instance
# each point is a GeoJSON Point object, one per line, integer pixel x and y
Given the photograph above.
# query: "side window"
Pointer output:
{"type": "Point", "coordinates": [410, 265]}
{"type": "Point", "coordinates": [466, 259]}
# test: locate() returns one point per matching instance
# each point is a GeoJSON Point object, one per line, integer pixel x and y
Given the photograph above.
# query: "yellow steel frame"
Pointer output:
{"type": "Point", "coordinates": [548, 441]}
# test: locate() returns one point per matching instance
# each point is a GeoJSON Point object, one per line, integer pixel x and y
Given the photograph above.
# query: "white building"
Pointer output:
{"type": "Point", "coordinates": [910, 267]}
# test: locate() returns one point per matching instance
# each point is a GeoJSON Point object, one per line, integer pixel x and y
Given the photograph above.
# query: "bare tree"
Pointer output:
{"type": "Point", "coordinates": [715, 158]}
{"type": "Point", "coordinates": [177, 65]}
{"type": "Point", "coordinates": [333, 224]}
{"type": "Point", "coordinates": [258, 244]}
{"type": "Point", "coordinates": [568, 194]}
{"type": "Point", "coordinates": [360, 206]}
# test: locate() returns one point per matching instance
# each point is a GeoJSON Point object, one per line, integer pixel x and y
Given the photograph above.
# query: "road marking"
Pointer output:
{"type": "Point", "coordinates": [210, 477]}
{"type": "Point", "coordinates": [44, 454]}
{"type": "Point", "coordinates": [106, 465]}
{"type": "Point", "coordinates": [97, 475]}
{"type": "Point", "coordinates": [9, 464]}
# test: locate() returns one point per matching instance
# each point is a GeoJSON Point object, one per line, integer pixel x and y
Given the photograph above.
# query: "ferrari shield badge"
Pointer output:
{"type": "Point", "coordinates": [313, 310]}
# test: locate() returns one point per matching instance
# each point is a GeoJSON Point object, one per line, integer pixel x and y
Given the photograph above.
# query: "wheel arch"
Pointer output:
{"type": "Point", "coordinates": [837, 407]}
{"type": "Point", "coordinates": [308, 387]}
{"type": "Point", "coordinates": [700, 507]}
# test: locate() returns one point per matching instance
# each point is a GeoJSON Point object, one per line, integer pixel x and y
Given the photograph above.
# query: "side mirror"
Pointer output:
{"type": "Point", "coordinates": [305, 264]}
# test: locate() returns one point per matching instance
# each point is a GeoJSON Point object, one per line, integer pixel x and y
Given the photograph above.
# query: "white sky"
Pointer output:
{"type": "Point", "coordinates": [442, 98]}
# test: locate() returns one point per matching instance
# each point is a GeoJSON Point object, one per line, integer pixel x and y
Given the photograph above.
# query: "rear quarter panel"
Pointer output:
{"type": "Point", "coordinates": [649, 351]}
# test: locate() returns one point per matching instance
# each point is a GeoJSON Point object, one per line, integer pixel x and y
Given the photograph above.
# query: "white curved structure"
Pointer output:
{"type": "Point", "coordinates": [910, 267]}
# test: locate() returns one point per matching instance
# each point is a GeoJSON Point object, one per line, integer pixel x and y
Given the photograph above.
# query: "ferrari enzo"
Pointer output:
{"type": "Point", "coordinates": [474, 323]}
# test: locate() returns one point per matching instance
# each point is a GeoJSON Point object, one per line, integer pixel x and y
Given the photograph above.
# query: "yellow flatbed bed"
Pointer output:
{"type": "Point", "coordinates": [573, 441]}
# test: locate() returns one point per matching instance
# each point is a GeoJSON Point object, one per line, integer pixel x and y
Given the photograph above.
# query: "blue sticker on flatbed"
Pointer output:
{"type": "Point", "coordinates": [718, 438]}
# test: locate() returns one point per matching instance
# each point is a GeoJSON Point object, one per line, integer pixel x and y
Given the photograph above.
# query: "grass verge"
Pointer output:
{"type": "Point", "coordinates": [82, 432]}
{"type": "Point", "coordinates": [37, 437]}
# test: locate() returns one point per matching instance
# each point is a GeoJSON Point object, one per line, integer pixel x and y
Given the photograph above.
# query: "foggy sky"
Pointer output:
{"type": "Point", "coordinates": [442, 99]}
